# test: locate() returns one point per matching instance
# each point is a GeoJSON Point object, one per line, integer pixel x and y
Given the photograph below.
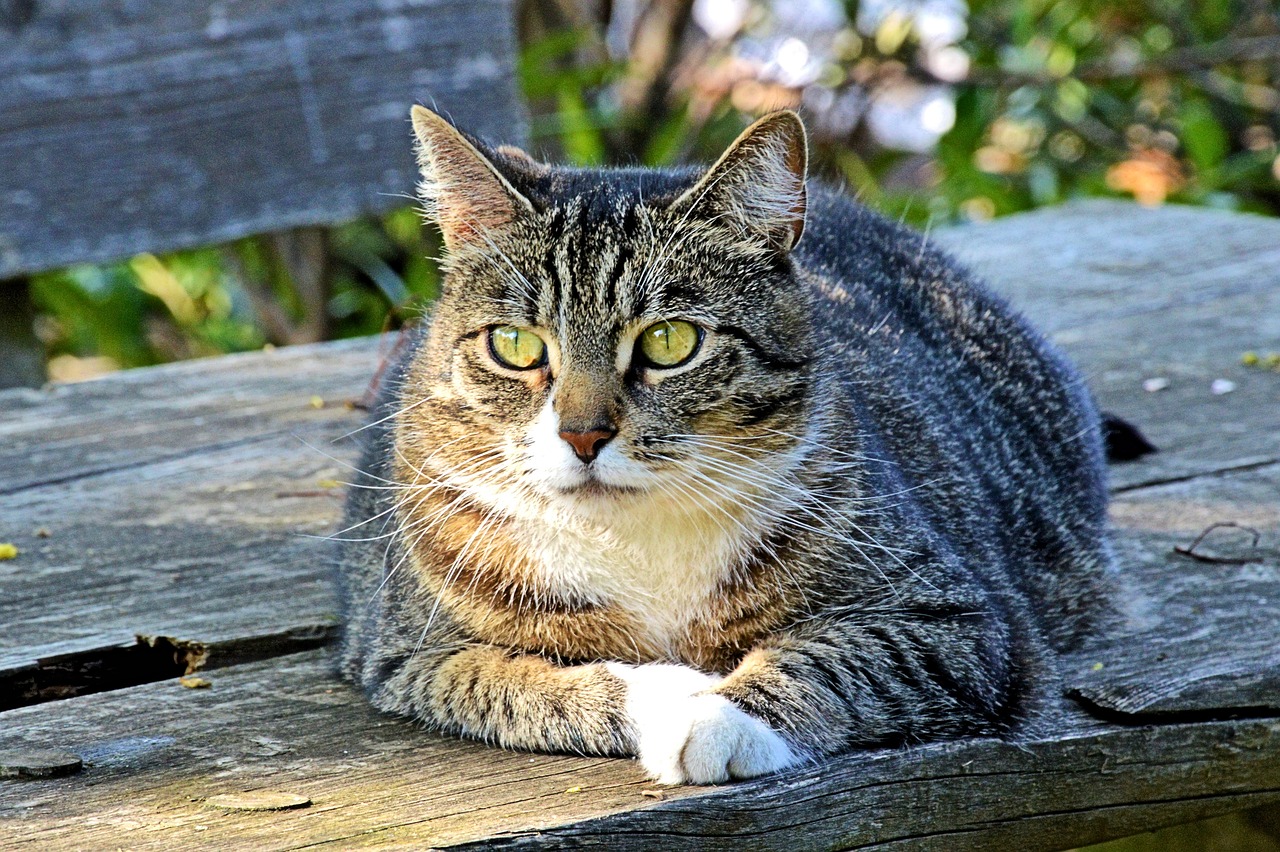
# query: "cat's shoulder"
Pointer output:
{"type": "Point", "coordinates": [840, 229]}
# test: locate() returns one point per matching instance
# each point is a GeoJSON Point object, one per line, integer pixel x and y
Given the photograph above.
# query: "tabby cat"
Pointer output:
{"type": "Point", "coordinates": [714, 468]}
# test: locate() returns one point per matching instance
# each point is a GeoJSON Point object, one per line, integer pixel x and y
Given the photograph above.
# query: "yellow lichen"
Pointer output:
{"type": "Point", "coordinates": [7, 550]}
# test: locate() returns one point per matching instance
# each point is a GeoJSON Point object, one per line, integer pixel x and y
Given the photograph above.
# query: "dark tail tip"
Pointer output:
{"type": "Point", "coordinates": [1123, 440]}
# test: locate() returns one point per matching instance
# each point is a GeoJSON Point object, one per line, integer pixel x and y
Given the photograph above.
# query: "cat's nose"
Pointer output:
{"type": "Point", "coordinates": [587, 445]}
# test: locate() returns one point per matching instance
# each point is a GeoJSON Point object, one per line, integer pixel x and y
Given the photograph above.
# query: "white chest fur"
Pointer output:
{"type": "Point", "coordinates": [661, 560]}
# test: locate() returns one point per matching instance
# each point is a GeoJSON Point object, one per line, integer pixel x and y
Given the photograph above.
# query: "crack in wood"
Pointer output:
{"type": "Point", "coordinates": [147, 660]}
{"type": "Point", "coordinates": [1191, 477]}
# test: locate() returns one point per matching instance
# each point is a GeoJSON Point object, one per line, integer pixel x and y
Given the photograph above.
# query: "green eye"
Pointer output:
{"type": "Point", "coordinates": [517, 348]}
{"type": "Point", "coordinates": [669, 343]}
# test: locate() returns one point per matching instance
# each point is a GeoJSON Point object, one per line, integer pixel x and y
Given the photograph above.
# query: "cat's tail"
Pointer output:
{"type": "Point", "coordinates": [1122, 439]}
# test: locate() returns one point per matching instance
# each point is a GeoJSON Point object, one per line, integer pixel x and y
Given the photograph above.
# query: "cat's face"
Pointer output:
{"type": "Point", "coordinates": [612, 335]}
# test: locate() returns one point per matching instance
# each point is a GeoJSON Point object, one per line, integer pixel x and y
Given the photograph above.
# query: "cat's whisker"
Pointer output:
{"type": "Point", "coordinates": [828, 468]}
{"type": "Point", "coordinates": [451, 573]}
{"type": "Point", "coordinates": [824, 521]}
{"type": "Point", "coordinates": [422, 526]}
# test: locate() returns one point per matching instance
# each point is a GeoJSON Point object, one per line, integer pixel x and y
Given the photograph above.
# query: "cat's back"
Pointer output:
{"type": "Point", "coordinates": [992, 427]}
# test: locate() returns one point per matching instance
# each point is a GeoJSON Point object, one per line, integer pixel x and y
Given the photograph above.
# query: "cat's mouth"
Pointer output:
{"type": "Point", "coordinates": [593, 487]}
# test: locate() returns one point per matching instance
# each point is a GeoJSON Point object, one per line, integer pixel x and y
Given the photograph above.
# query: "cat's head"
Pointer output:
{"type": "Point", "coordinates": [604, 334]}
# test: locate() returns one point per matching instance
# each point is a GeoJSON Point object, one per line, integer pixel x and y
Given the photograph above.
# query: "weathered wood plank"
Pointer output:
{"type": "Point", "coordinates": [284, 724]}
{"type": "Point", "coordinates": [199, 123]}
{"type": "Point", "coordinates": [176, 471]}
{"type": "Point", "coordinates": [215, 438]}
{"type": "Point", "coordinates": [161, 414]}
{"type": "Point", "coordinates": [224, 543]}
{"type": "Point", "coordinates": [1088, 262]}
{"type": "Point", "coordinates": [376, 782]}
{"type": "Point", "coordinates": [1191, 346]}
{"type": "Point", "coordinates": [1200, 638]}
{"type": "Point", "coordinates": [1132, 294]}
{"type": "Point", "coordinates": [182, 501]}
{"type": "Point", "coordinates": [1041, 795]}
{"type": "Point", "coordinates": [216, 435]}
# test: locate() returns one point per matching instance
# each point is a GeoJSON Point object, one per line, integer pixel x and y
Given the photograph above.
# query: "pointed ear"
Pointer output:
{"type": "Point", "coordinates": [461, 189]}
{"type": "Point", "coordinates": [758, 183]}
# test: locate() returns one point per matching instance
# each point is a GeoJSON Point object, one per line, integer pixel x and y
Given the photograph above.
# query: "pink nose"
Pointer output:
{"type": "Point", "coordinates": [587, 445]}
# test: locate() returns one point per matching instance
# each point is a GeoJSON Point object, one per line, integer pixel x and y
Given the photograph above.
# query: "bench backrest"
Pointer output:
{"type": "Point", "coordinates": [146, 125]}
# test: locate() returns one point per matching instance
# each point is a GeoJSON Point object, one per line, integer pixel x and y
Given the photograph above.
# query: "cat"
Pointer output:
{"type": "Point", "coordinates": [716, 468]}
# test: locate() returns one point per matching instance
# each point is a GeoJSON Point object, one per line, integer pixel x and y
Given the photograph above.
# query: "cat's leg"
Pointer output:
{"type": "Point", "coordinates": [515, 700]}
{"type": "Point", "coordinates": [832, 686]}
{"type": "Point", "coordinates": [685, 733]}
{"type": "Point", "coordinates": [667, 715]}
{"type": "Point", "coordinates": [527, 701]}
{"type": "Point", "coordinates": [882, 679]}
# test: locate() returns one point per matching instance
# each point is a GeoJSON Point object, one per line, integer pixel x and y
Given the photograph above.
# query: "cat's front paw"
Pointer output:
{"type": "Point", "coordinates": [685, 736]}
{"type": "Point", "coordinates": [706, 739]}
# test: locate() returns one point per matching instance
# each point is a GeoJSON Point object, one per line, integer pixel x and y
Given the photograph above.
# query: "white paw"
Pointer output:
{"type": "Point", "coordinates": [687, 738]}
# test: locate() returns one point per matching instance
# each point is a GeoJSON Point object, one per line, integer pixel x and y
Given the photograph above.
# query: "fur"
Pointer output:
{"type": "Point", "coordinates": [866, 511]}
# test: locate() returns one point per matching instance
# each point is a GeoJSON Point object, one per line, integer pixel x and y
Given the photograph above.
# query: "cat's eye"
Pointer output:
{"type": "Point", "coordinates": [669, 343]}
{"type": "Point", "coordinates": [517, 348]}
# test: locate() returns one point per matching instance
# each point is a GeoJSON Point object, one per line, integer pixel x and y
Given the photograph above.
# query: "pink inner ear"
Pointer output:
{"type": "Point", "coordinates": [760, 180]}
{"type": "Point", "coordinates": [461, 223]}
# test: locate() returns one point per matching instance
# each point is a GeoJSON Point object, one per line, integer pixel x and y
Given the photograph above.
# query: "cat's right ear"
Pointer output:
{"type": "Point", "coordinates": [461, 189]}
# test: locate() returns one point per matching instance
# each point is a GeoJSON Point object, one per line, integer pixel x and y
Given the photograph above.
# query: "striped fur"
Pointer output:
{"type": "Point", "coordinates": [865, 512]}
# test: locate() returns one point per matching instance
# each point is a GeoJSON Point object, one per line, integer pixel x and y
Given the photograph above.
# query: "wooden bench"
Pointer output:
{"type": "Point", "coordinates": [144, 125]}
{"type": "Point", "coordinates": [172, 519]}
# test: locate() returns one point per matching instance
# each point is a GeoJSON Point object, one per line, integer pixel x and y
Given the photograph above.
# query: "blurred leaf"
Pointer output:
{"type": "Point", "coordinates": [582, 138]}
{"type": "Point", "coordinates": [1205, 141]}
{"type": "Point", "coordinates": [667, 142]}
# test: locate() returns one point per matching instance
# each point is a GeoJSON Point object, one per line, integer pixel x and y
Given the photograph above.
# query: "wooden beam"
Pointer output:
{"type": "Point", "coordinates": [1131, 293]}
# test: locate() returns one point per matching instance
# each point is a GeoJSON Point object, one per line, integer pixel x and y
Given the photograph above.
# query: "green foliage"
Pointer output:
{"type": "Point", "coordinates": [149, 309]}
{"type": "Point", "coordinates": [1168, 100]}
{"type": "Point", "coordinates": [145, 310]}
{"type": "Point", "coordinates": [1083, 97]}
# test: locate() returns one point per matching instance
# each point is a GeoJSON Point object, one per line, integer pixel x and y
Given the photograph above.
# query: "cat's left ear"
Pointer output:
{"type": "Point", "coordinates": [461, 187]}
{"type": "Point", "coordinates": [758, 183]}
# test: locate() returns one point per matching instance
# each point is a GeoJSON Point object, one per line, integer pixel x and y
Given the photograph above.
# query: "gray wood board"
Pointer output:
{"type": "Point", "coordinates": [183, 501]}
{"type": "Point", "coordinates": [1131, 294]}
{"type": "Point", "coordinates": [162, 490]}
{"type": "Point", "coordinates": [142, 125]}
{"type": "Point", "coordinates": [1198, 637]}
{"type": "Point", "coordinates": [220, 544]}
{"type": "Point", "coordinates": [286, 725]}
{"type": "Point", "coordinates": [157, 450]}
{"type": "Point", "coordinates": [145, 417]}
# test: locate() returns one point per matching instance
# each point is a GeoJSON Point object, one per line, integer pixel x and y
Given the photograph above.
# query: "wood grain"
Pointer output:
{"type": "Point", "coordinates": [1199, 638]}
{"type": "Point", "coordinates": [174, 496]}
{"type": "Point", "coordinates": [144, 125]}
{"type": "Point", "coordinates": [286, 725]}
{"type": "Point", "coordinates": [65, 433]}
